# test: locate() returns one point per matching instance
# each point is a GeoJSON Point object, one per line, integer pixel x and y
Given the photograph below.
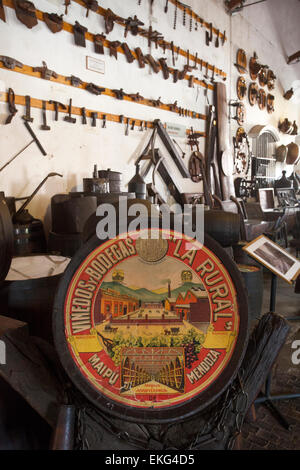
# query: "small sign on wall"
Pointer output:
{"type": "Point", "coordinates": [96, 65]}
{"type": "Point", "coordinates": [176, 130]}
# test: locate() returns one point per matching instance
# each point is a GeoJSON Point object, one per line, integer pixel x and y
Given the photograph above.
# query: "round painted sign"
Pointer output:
{"type": "Point", "coordinates": [151, 329]}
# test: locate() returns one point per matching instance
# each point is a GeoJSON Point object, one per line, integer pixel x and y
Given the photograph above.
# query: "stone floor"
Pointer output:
{"type": "Point", "coordinates": [265, 433]}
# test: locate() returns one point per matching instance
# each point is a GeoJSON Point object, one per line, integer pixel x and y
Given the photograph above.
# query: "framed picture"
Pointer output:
{"type": "Point", "coordinates": [273, 257]}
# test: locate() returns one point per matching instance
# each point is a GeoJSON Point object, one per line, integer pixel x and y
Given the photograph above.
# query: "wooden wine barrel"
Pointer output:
{"type": "Point", "coordinates": [69, 214]}
{"type": "Point", "coordinates": [254, 282]}
{"type": "Point", "coordinates": [28, 292]}
{"type": "Point", "coordinates": [6, 238]}
{"type": "Point", "coordinates": [64, 244]}
{"type": "Point", "coordinates": [224, 227]}
{"type": "Point", "coordinates": [125, 350]}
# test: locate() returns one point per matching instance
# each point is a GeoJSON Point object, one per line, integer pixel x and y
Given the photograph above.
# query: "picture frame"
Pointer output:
{"type": "Point", "coordinates": [274, 257]}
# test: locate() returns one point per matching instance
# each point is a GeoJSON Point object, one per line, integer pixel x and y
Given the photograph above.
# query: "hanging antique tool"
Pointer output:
{"type": "Point", "coordinates": [140, 57]}
{"type": "Point", "coordinates": [209, 35]}
{"type": "Point", "coordinates": [98, 43]}
{"type": "Point", "coordinates": [154, 65]}
{"type": "Point", "coordinates": [153, 36]}
{"type": "Point", "coordinates": [90, 5]}
{"type": "Point", "coordinates": [83, 114]}
{"type": "Point", "coordinates": [46, 74]}
{"type": "Point", "coordinates": [262, 76]}
{"type": "Point", "coordinates": [110, 19]}
{"type": "Point", "coordinates": [10, 63]}
{"type": "Point", "coordinates": [253, 93]}
{"type": "Point", "coordinates": [69, 117]}
{"type": "Point", "coordinates": [271, 80]}
{"type": "Point", "coordinates": [119, 94]}
{"type": "Point", "coordinates": [94, 116]}
{"type": "Point", "coordinates": [132, 25]}
{"type": "Point", "coordinates": [54, 22]}
{"type": "Point", "coordinates": [127, 52]}
{"type": "Point", "coordinates": [79, 34]}
{"type": "Point", "coordinates": [240, 116]}
{"type": "Point", "coordinates": [94, 89]}
{"type": "Point", "coordinates": [27, 117]}
{"type": "Point", "coordinates": [44, 126]}
{"type": "Point", "coordinates": [34, 139]}
{"type": "Point", "coordinates": [164, 67]}
{"type": "Point", "coordinates": [67, 4]}
{"type": "Point", "coordinates": [270, 103]}
{"type": "Point", "coordinates": [75, 81]}
{"type": "Point", "coordinates": [241, 88]}
{"type": "Point", "coordinates": [261, 99]}
{"type": "Point", "coordinates": [175, 14]}
{"type": "Point", "coordinates": [113, 49]}
{"type": "Point", "coordinates": [25, 12]}
{"type": "Point", "coordinates": [255, 67]}
{"type": "Point", "coordinates": [217, 38]}
{"type": "Point", "coordinates": [11, 106]}
{"type": "Point", "coordinates": [136, 97]}
{"type": "Point", "coordinates": [57, 104]}
{"type": "Point", "coordinates": [241, 61]}
{"type": "Point", "coordinates": [2, 12]}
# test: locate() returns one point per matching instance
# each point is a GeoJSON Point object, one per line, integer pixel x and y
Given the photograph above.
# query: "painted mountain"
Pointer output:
{"type": "Point", "coordinates": [146, 295]}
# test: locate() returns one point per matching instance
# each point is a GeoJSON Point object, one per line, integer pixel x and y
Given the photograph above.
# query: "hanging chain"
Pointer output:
{"type": "Point", "coordinates": [184, 16]}
{"type": "Point", "coordinates": [191, 22]}
{"type": "Point", "coordinates": [175, 15]}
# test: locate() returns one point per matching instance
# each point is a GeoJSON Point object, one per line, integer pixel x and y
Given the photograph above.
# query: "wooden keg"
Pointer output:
{"type": "Point", "coordinates": [151, 330]}
{"type": "Point", "coordinates": [254, 283]}
{"type": "Point", "coordinates": [6, 238]}
{"type": "Point", "coordinates": [224, 227]}
{"type": "Point", "coordinates": [64, 244]}
{"type": "Point", "coordinates": [28, 292]}
{"type": "Point", "coordinates": [69, 214]}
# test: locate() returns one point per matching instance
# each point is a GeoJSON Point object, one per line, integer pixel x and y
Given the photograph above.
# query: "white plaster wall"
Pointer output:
{"type": "Point", "coordinates": [73, 149]}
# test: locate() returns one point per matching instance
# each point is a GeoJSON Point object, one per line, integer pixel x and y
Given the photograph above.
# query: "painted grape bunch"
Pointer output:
{"type": "Point", "coordinates": [190, 354]}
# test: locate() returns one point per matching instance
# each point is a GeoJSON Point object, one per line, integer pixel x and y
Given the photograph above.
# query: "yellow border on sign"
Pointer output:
{"type": "Point", "coordinates": [100, 388]}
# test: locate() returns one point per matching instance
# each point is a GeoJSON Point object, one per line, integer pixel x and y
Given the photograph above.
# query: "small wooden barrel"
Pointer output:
{"type": "Point", "coordinates": [28, 292]}
{"type": "Point", "coordinates": [224, 227]}
{"type": "Point", "coordinates": [254, 283]}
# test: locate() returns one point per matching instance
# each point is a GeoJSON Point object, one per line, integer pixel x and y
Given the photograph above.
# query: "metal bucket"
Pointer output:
{"type": "Point", "coordinates": [28, 292]}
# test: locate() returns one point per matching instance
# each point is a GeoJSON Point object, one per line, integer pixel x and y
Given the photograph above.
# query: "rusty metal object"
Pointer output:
{"type": "Point", "coordinates": [98, 42]}
{"type": "Point", "coordinates": [132, 25]}
{"type": "Point", "coordinates": [136, 97]}
{"type": "Point", "coordinates": [140, 57]}
{"type": "Point", "coordinates": [156, 103]}
{"type": "Point", "coordinates": [255, 67]}
{"type": "Point", "coordinates": [253, 93]}
{"type": "Point", "coordinates": [10, 63]}
{"type": "Point", "coordinates": [94, 89]}
{"type": "Point", "coordinates": [113, 49]}
{"type": "Point", "coordinates": [44, 126]}
{"type": "Point", "coordinates": [57, 104]}
{"type": "Point", "coordinates": [262, 76]}
{"type": "Point", "coordinates": [79, 34]}
{"type": "Point", "coordinates": [27, 117]}
{"type": "Point", "coordinates": [270, 103]}
{"type": "Point", "coordinates": [152, 36]}
{"type": "Point", "coordinates": [67, 4]}
{"type": "Point", "coordinates": [127, 52]}
{"type": "Point", "coordinates": [46, 73]}
{"type": "Point", "coordinates": [119, 94]}
{"type": "Point", "coordinates": [25, 12]}
{"type": "Point", "coordinates": [90, 5]}
{"type": "Point", "coordinates": [75, 81]}
{"type": "Point", "coordinates": [110, 19]}
{"type": "Point", "coordinates": [69, 117]}
{"type": "Point", "coordinates": [2, 12]}
{"type": "Point", "coordinates": [11, 106]}
{"type": "Point", "coordinates": [54, 22]}
{"type": "Point", "coordinates": [261, 99]}
{"type": "Point", "coordinates": [271, 80]}
{"type": "Point", "coordinates": [241, 61]}
{"type": "Point", "coordinates": [241, 88]}
{"type": "Point", "coordinates": [154, 65]}
{"type": "Point", "coordinates": [94, 116]}
{"type": "Point", "coordinates": [83, 114]}
{"type": "Point", "coordinates": [164, 67]}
